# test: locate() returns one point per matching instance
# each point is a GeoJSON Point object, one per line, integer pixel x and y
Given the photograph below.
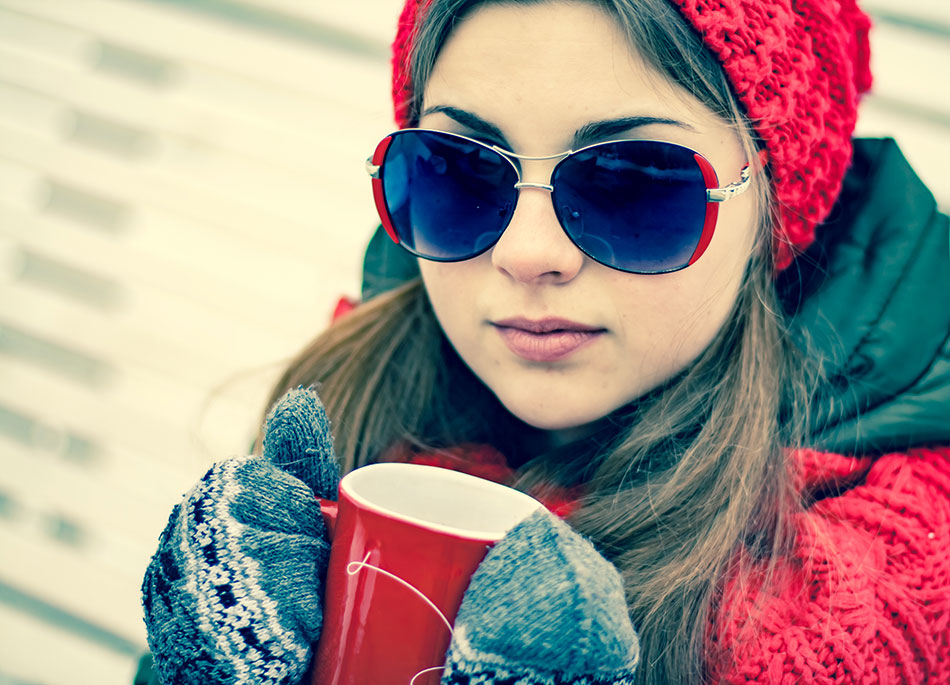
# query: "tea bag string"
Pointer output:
{"type": "Point", "coordinates": [355, 567]}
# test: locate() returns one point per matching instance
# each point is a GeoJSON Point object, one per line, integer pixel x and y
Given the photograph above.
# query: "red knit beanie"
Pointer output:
{"type": "Point", "coordinates": [797, 67]}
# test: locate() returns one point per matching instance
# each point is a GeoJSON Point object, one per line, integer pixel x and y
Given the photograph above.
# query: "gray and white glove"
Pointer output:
{"type": "Point", "coordinates": [543, 608]}
{"type": "Point", "coordinates": [234, 592]}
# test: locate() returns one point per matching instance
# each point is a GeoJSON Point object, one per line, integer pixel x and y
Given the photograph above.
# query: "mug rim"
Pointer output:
{"type": "Point", "coordinates": [525, 504]}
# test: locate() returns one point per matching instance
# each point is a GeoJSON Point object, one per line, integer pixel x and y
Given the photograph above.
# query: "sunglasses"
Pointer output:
{"type": "Point", "coordinates": [640, 206]}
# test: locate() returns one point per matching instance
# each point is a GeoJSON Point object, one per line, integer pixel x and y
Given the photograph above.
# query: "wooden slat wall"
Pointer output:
{"type": "Point", "coordinates": [182, 200]}
{"type": "Point", "coordinates": [910, 58]}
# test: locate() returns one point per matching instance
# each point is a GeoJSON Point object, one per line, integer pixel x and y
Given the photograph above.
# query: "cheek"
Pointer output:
{"type": "Point", "coordinates": [669, 319]}
{"type": "Point", "coordinates": [713, 284]}
{"type": "Point", "coordinates": [452, 290]}
{"type": "Point", "coordinates": [661, 327]}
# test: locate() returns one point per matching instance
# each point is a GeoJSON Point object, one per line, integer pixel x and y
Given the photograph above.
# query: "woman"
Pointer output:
{"type": "Point", "coordinates": [720, 359]}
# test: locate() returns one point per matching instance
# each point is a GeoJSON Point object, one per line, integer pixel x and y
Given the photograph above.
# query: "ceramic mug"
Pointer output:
{"type": "Point", "coordinates": [406, 540]}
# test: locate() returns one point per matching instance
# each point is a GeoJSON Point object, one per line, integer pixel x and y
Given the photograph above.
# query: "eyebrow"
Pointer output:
{"type": "Point", "coordinates": [588, 133]}
{"type": "Point", "coordinates": [470, 121]}
{"type": "Point", "coordinates": [608, 128]}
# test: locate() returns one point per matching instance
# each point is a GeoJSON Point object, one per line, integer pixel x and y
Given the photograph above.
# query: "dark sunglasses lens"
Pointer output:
{"type": "Point", "coordinates": [448, 198]}
{"type": "Point", "coordinates": [638, 206]}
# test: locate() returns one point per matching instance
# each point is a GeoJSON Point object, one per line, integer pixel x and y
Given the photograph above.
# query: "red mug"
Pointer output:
{"type": "Point", "coordinates": [406, 540]}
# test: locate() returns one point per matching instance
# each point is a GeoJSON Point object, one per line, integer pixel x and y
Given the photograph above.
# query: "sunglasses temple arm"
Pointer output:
{"type": "Point", "coordinates": [372, 169]}
{"type": "Point", "coordinates": [731, 190]}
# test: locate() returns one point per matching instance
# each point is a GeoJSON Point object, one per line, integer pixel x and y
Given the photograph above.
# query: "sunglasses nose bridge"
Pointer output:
{"type": "Point", "coordinates": [540, 186]}
{"type": "Point", "coordinates": [533, 161]}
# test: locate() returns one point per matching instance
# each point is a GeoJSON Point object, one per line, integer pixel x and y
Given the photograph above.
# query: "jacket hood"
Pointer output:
{"type": "Point", "coordinates": [871, 296]}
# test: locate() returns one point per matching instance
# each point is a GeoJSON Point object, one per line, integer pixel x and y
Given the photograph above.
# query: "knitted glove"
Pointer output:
{"type": "Point", "coordinates": [234, 592]}
{"type": "Point", "coordinates": [543, 608]}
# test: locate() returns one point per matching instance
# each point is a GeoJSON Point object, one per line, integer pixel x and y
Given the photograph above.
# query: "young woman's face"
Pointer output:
{"type": "Point", "coordinates": [537, 74]}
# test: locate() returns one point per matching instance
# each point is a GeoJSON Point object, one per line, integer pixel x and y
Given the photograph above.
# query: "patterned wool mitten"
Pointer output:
{"type": "Point", "coordinates": [543, 608]}
{"type": "Point", "coordinates": [234, 592]}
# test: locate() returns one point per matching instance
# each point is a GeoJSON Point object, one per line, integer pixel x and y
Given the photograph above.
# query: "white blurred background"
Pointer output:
{"type": "Point", "coordinates": [182, 201]}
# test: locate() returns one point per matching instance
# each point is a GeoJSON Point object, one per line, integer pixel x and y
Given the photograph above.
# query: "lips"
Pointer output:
{"type": "Point", "coordinates": [545, 340]}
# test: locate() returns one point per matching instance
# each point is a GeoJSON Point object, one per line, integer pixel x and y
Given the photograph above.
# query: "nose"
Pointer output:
{"type": "Point", "coordinates": [534, 247]}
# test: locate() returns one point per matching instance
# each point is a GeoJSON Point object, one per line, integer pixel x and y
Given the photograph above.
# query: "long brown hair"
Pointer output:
{"type": "Point", "coordinates": [696, 471]}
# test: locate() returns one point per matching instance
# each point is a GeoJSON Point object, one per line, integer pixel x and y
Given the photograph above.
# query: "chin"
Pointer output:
{"type": "Point", "coordinates": [555, 416]}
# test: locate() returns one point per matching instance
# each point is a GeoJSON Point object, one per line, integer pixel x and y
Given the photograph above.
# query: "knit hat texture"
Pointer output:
{"type": "Point", "coordinates": [798, 68]}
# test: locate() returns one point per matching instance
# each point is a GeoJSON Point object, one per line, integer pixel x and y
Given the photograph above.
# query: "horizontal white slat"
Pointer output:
{"type": "Point", "coordinates": [24, 107]}
{"type": "Point", "coordinates": [331, 133]}
{"type": "Point", "coordinates": [129, 441]}
{"type": "Point", "coordinates": [375, 19]}
{"type": "Point", "coordinates": [249, 215]}
{"type": "Point", "coordinates": [922, 10]}
{"type": "Point", "coordinates": [904, 61]}
{"type": "Point", "coordinates": [209, 181]}
{"type": "Point", "coordinates": [19, 185]}
{"type": "Point", "coordinates": [48, 38]}
{"type": "Point", "coordinates": [142, 413]}
{"type": "Point", "coordinates": [154, 335]}
{"type": "Point", "coordinates": [81, 582]}
{"type": "Point", "coordinates": [192, 155]}
{"type": "Point", "coordinates": [254, 58]}
{"type": "Point", "coordinates": [32, 651]}
{"type": "Point", "coordinates": [123, 499]}
{"type": "Point", "coordinates": [120, 521]}
{"type": "Point", "coordinates": [208, 279]}
{"type": "Point", "coordinates": [167, 356]}
{"type": "Point", "coordinates": [120, 502]}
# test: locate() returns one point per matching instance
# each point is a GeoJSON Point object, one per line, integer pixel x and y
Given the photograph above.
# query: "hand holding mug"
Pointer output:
{"type": "Point", "coordinates": [542, 607]}
{"type": "Point", "coordinates": [234, 592]}
{"type": "Point", "coordinates": [406, 540]}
